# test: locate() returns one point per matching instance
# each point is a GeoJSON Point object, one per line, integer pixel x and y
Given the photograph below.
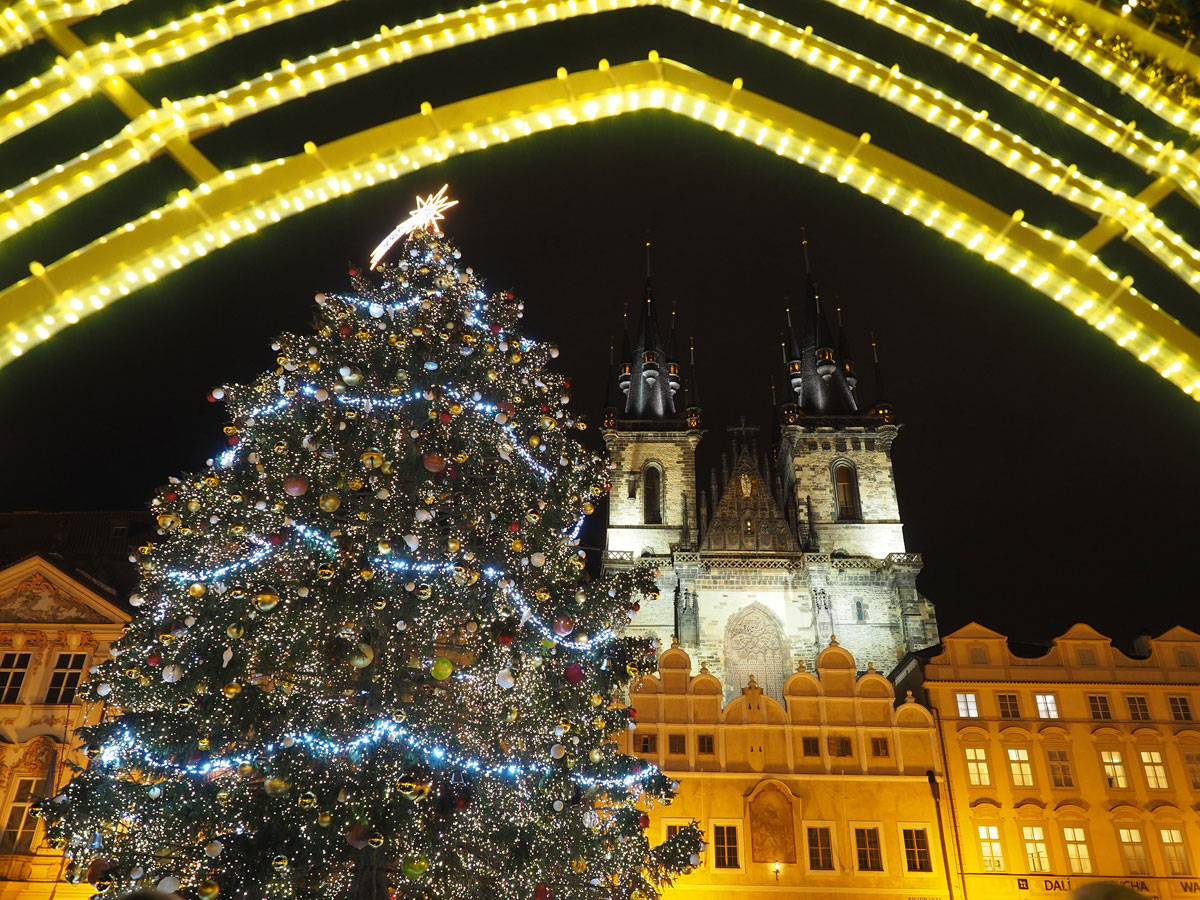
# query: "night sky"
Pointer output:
{"type": "Point", "coordinates": [1045, 475]}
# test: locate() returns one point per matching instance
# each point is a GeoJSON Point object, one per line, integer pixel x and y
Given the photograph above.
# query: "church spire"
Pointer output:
{"type": "Point", "coordinates": [819, 382]}
{"type": "Point", "coordinates": [844, 354]}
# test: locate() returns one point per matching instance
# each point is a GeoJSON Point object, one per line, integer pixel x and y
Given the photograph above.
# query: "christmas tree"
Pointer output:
{"type": "Point", "coordinates": [369, 660]}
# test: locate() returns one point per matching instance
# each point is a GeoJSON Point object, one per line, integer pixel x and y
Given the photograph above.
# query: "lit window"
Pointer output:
{"type": "Point", "coordinates": [968, 708]}
{"type": "Point", "coordinates": [1114, 768]}
{"type": "Point", "coordinates": [845, 484]}
{"type": "Point", "coordinates": [867, 849]}
{"type": "Point", "coordinates": [812, 746]}
{"type": "Point", "coordinates": [1010, 708]}
{"type": "Point", "coordinates": [677, 744]}
{"type": "Point", "coordinates": [977, 766]}
{"type": "Point", "coordinates": [652, 495]}
{"type": "Point", "coordinates": [1156, 772]}
{"type": "Point", "coordinates": [1036, 856]}
{"type": "Point", "coordinates": [646, 743]}
{"type": "Point", "coordinates": [21, 824]}
{"type": "Point", "coordinates": [820, 849]}
{"type": "Point", "coordinates": [13, 667]}
{"type": "Point", "coordinates": [1181, 710]}
{"type": "Point", "coordinates": [1078, 855]}
{"type": "Point", "coordinates": [704, 744]}
{"type": "Point", "coordinates": [1191, 762]}
{"type": "Point", "coordinates": [1175, 852]}
{"type": "Point", "coordinates": [1139, 710]}
{"type": "Point", "coordinates": [725, 844]}
{"type": "Point", "coordinates": [1133, 850]}
{"type": "Point", "coordinates": [65, 678]}
{"type": "Point", "coordinates": [916, 850]}
{"type": "Point", "coordinates": [1060, 768]}
{"type": "Point", "coordinates": [879, 747]}
{"type": "Point", "coordinates": [1098, 704]}
{"type": "Point", "coordinates": [1047, 706]}
{"type": "Point", "coordinates": [1018, 764]}
{"type": "Point", "coordinates": [989, 848]}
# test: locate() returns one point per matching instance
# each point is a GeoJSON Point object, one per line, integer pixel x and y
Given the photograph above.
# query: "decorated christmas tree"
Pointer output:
{"type": "Point", "coordinates": [369, 660]}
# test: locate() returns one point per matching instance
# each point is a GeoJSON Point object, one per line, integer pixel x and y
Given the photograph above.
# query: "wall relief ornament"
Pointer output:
{"type": "Point", "coordinates": [772, 827]}
{"type": "Point", "coordinates": [37, 599]}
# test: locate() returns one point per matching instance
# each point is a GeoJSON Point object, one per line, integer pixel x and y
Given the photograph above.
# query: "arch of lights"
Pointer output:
{"type": "Point", "coordinates": [227, 206]}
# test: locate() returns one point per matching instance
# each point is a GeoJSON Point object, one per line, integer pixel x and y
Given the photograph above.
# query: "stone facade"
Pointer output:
{"type": "Point", "coordinates": [778, 568]}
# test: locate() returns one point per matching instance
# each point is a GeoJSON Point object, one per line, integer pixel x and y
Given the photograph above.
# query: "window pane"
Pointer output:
{"type": "Point", "coordinates": [677, 744]}
{"type": "Point", "coordinates": [866, 845]}
{"type": "Point", "coordinates": [1078, 855]}
{"type": "Point", "coordinates": [1174, 851]}
{"type": "Point", "coordinates": [967, 706]}
{"type": "Point", "coordinates": [1047, 706]}
{"type": "Point", "coordinates": [916, 850]}
{"type": "Point", "coordinates": [1114, 768]}
{"type": "Point", "coordinates": [725, 838]}
{"type": "Point", "coordinates": [20, 825]}
{"type": "Point", "coordinates": [820, 849]}
{"type": "Point", "coordinates": [989, 848]}
{"type": "Point", "coordinates": [1036, 856]}
{"type": "Point", "coordinates": [1139, 710]}
{"type": "Point", "coordinates": [1098, 704]}
{"type": "Point", "coordinates": [704, 744]}
{"type": "Point", "coordinates": [652, 495]}
{"type": "Point", "coordinates": [977, 766]}
{"type": "Point", "coordinates": [1133, 850]}
{"type": "Point", "coordinates": [846, 489]}
{"type": "Point", "coordinates": [1009, 707]}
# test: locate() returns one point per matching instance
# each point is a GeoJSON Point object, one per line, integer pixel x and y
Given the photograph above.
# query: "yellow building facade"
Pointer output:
{"type": "Point", "coordinates": [53, 629]}
{"type": "Point", "coordinates": [1066, 763]}
{"type": "Point", "coordinates": [830, 793]}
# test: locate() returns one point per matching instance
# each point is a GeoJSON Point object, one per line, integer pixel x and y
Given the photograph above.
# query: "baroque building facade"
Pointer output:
{"type": "Point", "coordinates": [832, 790]}
{"type": "Point", "coordinates": [1068, 762]}
{"type": "Point", "coordinates": [53, 628]}
{"type": "Point", "coordinates": [784, 548]}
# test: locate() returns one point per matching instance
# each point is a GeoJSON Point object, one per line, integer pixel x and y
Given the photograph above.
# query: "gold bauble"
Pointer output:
{"type": "Point", "coordinates": [276, 785]}
{"type": "Point", "coordinates": [184, 705]}
{"type": "Point", "coordinates": [547, 423]}
{"type": "Point", "coordinates": [385, 547]}
{"type": "Point", "coordinates": [193, 505]}
{"type": "Point", "coordinates": [236, 630]}
{"type": "Point", "coordinates": [167, 521]}
{"type": "Point", "coordinates": [196, 589]}
{"type": "Point", "coordinates": [279, 863]}
{"type": "Point", "coordinates": [324, 819]}
{"type": "Point", "coordinates": [596, 700]}
{"type": "Point", "coordinates": [308, 800]}
{"type": "Point", "coordinates": [543, 594]}
{"type": "Point", "coordinates": [372, 458]}
{"type": "Point", "coordinates": [266, 599]}
{"type": "Point", "coordinates": [325, 573]}
{"type": "Point", "coordinates": [375, 840]}
{"type": "Point", "coordinates": [579, 865]}
{"type": "Point", "coordinates": [588, 509]}
{"type": "Point", "coordinates": [453, 544]}
{"type": "Point", "coordinates": [281, 447]}
{"type": "Point", "coordinates": [223, 797]}
{"type": "Point", "coordinates": [534, 440]}
{"type": "Point", "coordinates": [518, 544]}
{"type": "Point", "coordinates": [597, 755]}
{"type": "Point", "coordinates": [599, 724]}
{"type": "Point", "coordinates": [330, 501]}
{"type": "Point", "coordinates": [366, 574]}
{"type": "Point", "coordinates": [362, 656]}
{"type": "Point", "coordinates": [208, 889]}
{"type": "Point", "coordinates": [246, 769]}
{"type": "Point", "coordinates": [231, 690]}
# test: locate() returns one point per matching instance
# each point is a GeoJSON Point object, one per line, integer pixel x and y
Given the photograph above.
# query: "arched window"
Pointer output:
{"type": "Point", "coordinates": [845, 486]}
{"type": "Point", "coordinates": [652, 495]}
{"type": "Point", "coordinates": [860, 611]}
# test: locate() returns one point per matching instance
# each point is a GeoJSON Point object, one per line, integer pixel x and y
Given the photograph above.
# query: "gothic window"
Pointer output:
{"type": "Point", "coordinates": [860, 611]}
{"type": "Point", "coordinates": [845, 486]}
{"type": "Point", "coordinates": [652, 495]}
{"type": "Point", "coordinates": [754, 645]}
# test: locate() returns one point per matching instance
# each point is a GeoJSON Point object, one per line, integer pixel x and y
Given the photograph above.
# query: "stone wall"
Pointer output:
{"type": "Point", "coordinates": [630, 452]}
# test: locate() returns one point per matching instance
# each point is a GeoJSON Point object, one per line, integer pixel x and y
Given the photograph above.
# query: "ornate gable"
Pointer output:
{"type": "Point", "coordinates": [35, 592]}
{"type": "Point", "coordinates": [747, 519]}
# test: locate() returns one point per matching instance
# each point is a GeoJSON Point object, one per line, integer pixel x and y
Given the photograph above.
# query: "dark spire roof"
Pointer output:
{"type": "Point", "coordinates": [880, 388]}
{"type": "Point", "coordinates": [610, 397]}
{"type": "Point", "coordinates": [693, 382]}
{"type": "Point", "coordinates": [649, 373]}
{"type": "Point", "coordinates": [823, 389]}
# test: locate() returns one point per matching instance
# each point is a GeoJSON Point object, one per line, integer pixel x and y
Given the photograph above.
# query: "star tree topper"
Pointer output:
{"type": "Point", "coordinates": [425, 217]}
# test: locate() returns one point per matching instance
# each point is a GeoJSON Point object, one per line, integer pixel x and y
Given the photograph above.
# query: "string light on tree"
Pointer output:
{"type": "Point", "coordinates": [369, 660]}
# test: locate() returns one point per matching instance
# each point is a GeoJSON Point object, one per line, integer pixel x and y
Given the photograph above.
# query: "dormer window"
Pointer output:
{"type": "Point", "coordinates": [845, 487]}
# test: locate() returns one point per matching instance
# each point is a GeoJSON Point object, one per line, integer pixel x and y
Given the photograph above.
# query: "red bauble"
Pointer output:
{"type": "Point", "coordinates": [495, 328]}
{"type": "Point", "coordinates": [507, 408]}
{"type": "Point", "coordinates": [635, 606]}
{"type": "Point", "coordinates": [232, 440]}
{"type": "Point", "coordinates": [541, 892]}
{"type": "Point", "coordinates": [514, 526]}
{"type": "Point", "coordinates": [460, 802]}
{"type": "Point", "coordinates": [353, 271]}
{"type": "Point", "coordinates": [170, 496]}
{"type": "Point", "coordinates": [504, 639]}
{"type": "Point", "coordinates": [296, 485]}
{"type": "Point", "coordinates": [211, 398]}
{"type": "Point", "coordinates": [644, 820]}
{"type": "Point", "coordinates": [275, 539]}
{"type": "Point", "coordinates": [563, 625]}
{"type": "Point", "coordinates": [545, 408]}
{"type": "Point", "coordinates": [343, 329]}
{"type": "Point", "coordinates": [573, 672]}
{"type": "Point", "coordinates": [444, 418]}
{"type": "Point", "coordinates": [434, 462]}
{"type": "Point", "coordinates": [153, 659]}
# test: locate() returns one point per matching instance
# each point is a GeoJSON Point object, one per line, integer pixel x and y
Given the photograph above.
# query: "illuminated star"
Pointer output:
{"type": "Point", "coordinates": [424, 218]}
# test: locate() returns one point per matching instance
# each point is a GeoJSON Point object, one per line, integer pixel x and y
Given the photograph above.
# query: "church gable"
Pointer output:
{"type": "Point", "coordinates": [35, 592]}
{"type": "Point", "coordinates": [747, 519]}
